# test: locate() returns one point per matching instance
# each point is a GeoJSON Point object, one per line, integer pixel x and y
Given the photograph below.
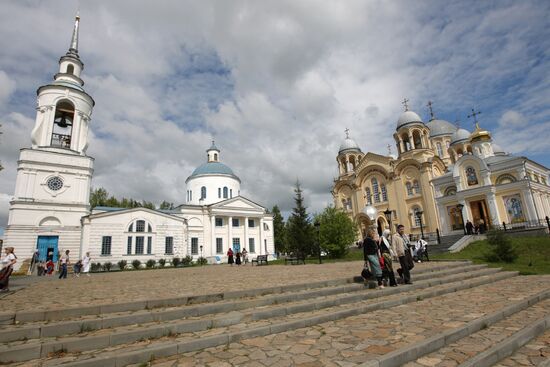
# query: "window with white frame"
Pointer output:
{"type": "Point", "coordinates": [129, 246]}
{"type": "Point", "coordinates": [251, 223]}
{"type": "Point", "coordinates": [416, 218]}
{"type": "Point", "coordinates": [219, 192]}
{"type": "Point", "coordinates": [251, 245]}
{"type": "Point", "coordinates": [375, 190]}
{"type": "Point", "coordinates": [384, 192]}
{"type": "Point", "coordinates": [225, 192]}
{"type": "Point", "coordinates": [219, 245]}
{"type": "Point", "coordinates": [439, 150]}
{"type": "Point", "coordinates": [140, 241]}
{"type": "Point", "coordinates": [140, 226]}
{"type": "Point", "coordinates": [169, 245]}
{"type": "Point", "coordinates": [409, 188]}
{"type": "Point", "coordinates": [368, 195]}
{"type": "Point", "coordinates": [149, 245]}
{"type": "Point", "coordinates": [194, 246]}
{"type": "Point", "coordinates": [219, 222]}
{"type": "Point", "coordinates": [416, 186]}
{"type": "Point", "coordinates": [106, 245]}
{"type": "Point", "coordinates": [235, 222]}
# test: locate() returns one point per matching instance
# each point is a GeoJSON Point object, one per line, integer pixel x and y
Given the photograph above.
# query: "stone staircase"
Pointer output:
{"type": "Point", "coordinates": [321, 323]}
{"type": "Point", "coordinates": [446, 242]}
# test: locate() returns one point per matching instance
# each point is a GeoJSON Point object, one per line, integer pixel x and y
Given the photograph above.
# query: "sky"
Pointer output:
{"type": "Point", "coordinates": [275, 83]}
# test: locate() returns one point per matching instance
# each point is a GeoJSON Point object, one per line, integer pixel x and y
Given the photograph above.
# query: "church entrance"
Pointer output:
{"type": "Point", "coordinates": [480, 214]}
{"type": "Point", "coordinates": [455, 218]}
{"type": "Point", "coordinates": [47, 248]}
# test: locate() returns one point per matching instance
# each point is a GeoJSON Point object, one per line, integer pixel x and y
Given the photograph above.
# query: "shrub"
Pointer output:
{"type": "Point", "coordinates": [187, 260]}
{"type": "Point", "coordinates": [162, 262]}
{"type": "Point", "coordinates": [122, 264]}
{"type": "Point", "coordinates": [136, 264]}
{"type": "Point", "coordinates": [150, 263]}
{"type": "Point", "coordinates": [176, 261]}
{"type": "Point", "coordinates": [95, 267]}
{"type": "Point", "coordinates": [202, 261]}
{"type": "Point", "coordinates": [501, 248]}
{"type": "Point", "coordinates": [107, 266]}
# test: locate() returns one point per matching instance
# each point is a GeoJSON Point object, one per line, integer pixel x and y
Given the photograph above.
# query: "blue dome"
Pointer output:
{"type": "Point", "coordinates": [213, 168]}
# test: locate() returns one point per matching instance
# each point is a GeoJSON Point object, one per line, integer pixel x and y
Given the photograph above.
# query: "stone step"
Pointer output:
{"type": "Point", "coordinates": [222, 335]}
{"type": "Point", "coordinates": [488, 345]}
{"type": "Point", "coordinates": [133, 306]}
{"type": "Point", "coordinates": [368, 337]}
{"type": "Point", "coordinates": [89, 323]}
{"type": "Point", "coordinates": [534, 353]}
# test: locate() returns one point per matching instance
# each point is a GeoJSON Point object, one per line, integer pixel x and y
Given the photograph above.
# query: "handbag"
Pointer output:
{"type": "Point", "coordinates": [366, 274]}
{"type": "Point", "coordinates": [409, 259]}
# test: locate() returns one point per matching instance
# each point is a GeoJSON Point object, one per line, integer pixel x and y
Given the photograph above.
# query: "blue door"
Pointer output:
{"type": "Point", "coordinates": [236, 245]}
{"type": "Point", "coordinates": [47, 248]}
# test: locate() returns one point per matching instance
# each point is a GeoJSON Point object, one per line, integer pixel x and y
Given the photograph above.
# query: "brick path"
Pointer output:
{"type": "Point", "coordinates": [531, 354]}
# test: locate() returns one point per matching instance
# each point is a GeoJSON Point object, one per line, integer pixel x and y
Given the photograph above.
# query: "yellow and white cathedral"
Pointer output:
{"type": "Point", "coordinates": [441, 177]}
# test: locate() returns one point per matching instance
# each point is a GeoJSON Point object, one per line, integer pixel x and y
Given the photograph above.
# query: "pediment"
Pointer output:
{"type": "Point", "coordinates": [239, 203]}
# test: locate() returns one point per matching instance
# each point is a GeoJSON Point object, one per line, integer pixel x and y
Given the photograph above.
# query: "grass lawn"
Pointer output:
{"type": "Point", "coordinates": [534, 250]}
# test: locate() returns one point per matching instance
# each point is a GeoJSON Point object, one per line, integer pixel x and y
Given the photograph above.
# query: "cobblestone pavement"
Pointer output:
{"type": "Point", "coordinates": [127, 286]}
{"type": "Point", "coordinates": [354, 340]}
{"type": "Point", "coordinates": [531, 354]}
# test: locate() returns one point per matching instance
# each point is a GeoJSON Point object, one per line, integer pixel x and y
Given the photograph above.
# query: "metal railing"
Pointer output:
{"type": "Point", "coordinates": [59, 140]}
{"type": "Point", "coordinates": [530, 224]}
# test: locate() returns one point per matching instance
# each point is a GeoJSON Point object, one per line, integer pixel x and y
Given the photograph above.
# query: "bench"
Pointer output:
{"type": "Point", "coordinates": [259, 260]}
{"type": "Point", "coordinates": [295, 260]}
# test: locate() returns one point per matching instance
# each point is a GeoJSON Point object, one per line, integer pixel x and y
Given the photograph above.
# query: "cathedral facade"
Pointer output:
{"type": "Point", "coordinates": [50, 210]}
{"type": "Point", "coordinates": [441, 177]}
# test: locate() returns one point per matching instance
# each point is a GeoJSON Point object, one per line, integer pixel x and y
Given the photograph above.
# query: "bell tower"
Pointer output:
{"type": "Point", "coordinates": [54, 175]}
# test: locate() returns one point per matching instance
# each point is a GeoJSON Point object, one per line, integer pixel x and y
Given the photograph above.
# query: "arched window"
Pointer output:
{"type": "Point", "coordinates": [219, 192]}
{"type": "Point", "coordinates": [505, 178]}
{"type": "Point", "coordinates": [409, 189]}
{"type": "Point", "coordinates": [215, 157]}
{"type": "Point", "coordinates": [131, 227]}
{"type": "Point", "coordinates": [416, 186]}
{"type": "Point", "coordinates": [368, 195]}
{"type": "Point", "coordinates": [447, 144]}
{"type": "Point", "coordinates": [140, 226]}
{"type": "Point", "coordinates": [439, 150]}
{"type": "Point", "coordinates": [374, 183]}
{"type": "Point", "coordinates": [70, 69]}
{"type": "Point", "coordinates": [471, 176]}
{"type": "Point", "coordinates": [384, 192]}
{"type": "Point", "coordinates": [225, 193]}
{"type": "Point", "coordinates": [63, 124]}
{"type": "Point", "coordinates": [417, 140]}
{"type": "Point", "coordinates": [406, 143]}
{"type": "Point", "coordinates": [449, 191]}
{"type": "Point", "coordinates": [203, 193]}
{"type": "Point", "coordinates": [230, 193]}
{"type": "Point", "coordinates": [416, 217]}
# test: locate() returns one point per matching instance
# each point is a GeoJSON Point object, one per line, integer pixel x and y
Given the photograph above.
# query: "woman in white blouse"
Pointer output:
{"type": "Point", "coordinates": [7, 268]}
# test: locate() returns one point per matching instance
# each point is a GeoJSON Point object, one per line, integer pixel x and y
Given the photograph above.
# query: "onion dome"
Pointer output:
{"type": "Point", "coordinates": [212, 169]}
{"type": "Point", "coordinates": [460, 135]}
{"type": "Point", "coordinates": [348, 144]}
{"type": "Point", "coordinates": [440, 127]}
{"type": "Point", "coordinates": [479, 134]}
{"type": "Point", "coordinates": [408, 117]}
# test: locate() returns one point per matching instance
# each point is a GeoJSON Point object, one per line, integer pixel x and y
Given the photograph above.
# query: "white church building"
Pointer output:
{"type": "Point", "coordinates": [50, 210]}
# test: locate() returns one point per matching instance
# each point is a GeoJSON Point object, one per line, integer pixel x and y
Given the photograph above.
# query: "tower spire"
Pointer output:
{"type": "Point", "coordinates": [73, 48]}
{"type": "Point", "coordinates": [430, 108]}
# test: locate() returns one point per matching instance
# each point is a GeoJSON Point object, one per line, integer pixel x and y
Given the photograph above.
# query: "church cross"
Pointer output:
{"type": "Point", "coordinates": [389, 149]}
{"type": "Point", "coordinates": [430, 104]}
{"type": "Point", "coordinates": [347, 133]}
{"type": "Point", "coordinates": [404, 103]}
{"type": "Point", "coordinates": [474, 115]}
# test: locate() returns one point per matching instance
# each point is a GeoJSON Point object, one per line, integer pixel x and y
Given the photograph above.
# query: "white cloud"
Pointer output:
{"type": "Point", "coordinates": [7, 87]}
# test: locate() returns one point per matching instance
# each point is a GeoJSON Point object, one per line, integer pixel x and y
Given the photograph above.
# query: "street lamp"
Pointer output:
{"type": "Point", "coordinates": [387, 214]}
{"type": "Point", "coordinates": [200, 247]}
{"type": "Point", "coordinates": [419, 216]}
{"type": "Point", "coordinates": [317, 225]}
{"type": "Point", "coordinates": [459, 207]}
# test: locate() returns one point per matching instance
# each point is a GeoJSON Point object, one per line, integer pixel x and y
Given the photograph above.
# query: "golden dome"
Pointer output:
{"type": "Point", "coordinates": [479, 134]}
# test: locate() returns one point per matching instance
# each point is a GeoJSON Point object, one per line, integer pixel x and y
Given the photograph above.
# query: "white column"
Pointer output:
{"type": "Point", "coordinates": [493, 209]}
{"type": "Point", "coordinates": [229, 233]}
{"type": "Point", "coordinates": [261, 244]}
{"type": "Point", "coordinates": [466, 214]}
{"type": "Point", "coordinates": [528, 202]}
{"type": "Point", "coordinates": [443, 216]}
{"type": "Point", "coordinates": [245, 244]}
{"type": "Point", "coordinates": [212, 235]}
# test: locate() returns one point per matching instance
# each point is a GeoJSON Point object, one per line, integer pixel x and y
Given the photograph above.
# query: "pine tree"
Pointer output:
{"type": "Point", "coordinates": [300, 234]}
{"type": "Point", "coordinates": [278, 230]}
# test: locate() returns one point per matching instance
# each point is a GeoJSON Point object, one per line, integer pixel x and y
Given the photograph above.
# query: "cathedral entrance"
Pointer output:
{"type": "Point", "coordinates": [47, 248]}
{"type": "Point", "coordinates": [480, 214]}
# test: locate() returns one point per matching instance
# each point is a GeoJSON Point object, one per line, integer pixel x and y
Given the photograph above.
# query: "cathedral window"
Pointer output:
{"type": "Point", "coordinates": [471, 176]}
{"type": "Point", "coordinates": [106, 245]}
{"type": "Point", "coordinates": [63, 124]}
{"type": "Point", "coordinates": [203, 193]}
{"type": "Point", "coordinates": [406, 143]}
{"type": "Point", "coordinates": [251, 223]}
{"type": "Point", "coordinates": [235, 222]}
{"type": "Point", "coordinates": [417, 139]}
{"type": "Point", "coordinates": [219, 222]}
{"type": "Point", "coordinates": [70, 69]}
{"type": "Point", "coordinates": [140, 241]}
{"type": "Point", "coordinates": [384, 192]}
{"type": "Point", "coordinates": [169, 245]}
{"type": "Point", "coordinates": [375, 190]}
{"type": "Point", "coordinates": [416, 217]}
{"type": "Point", "coordinates": [225, 193]}
{"type": "Point", "coordinates": [409, 189]}
{"type": "Point", "coordinates": [194, 246]}
{"type": "Point", "coordinates": [504, 179]}
{"type": "Point", "coordinates": [149, 245]}
{"type": "Point", "coordinates": [215, 157]}
{"type": "Point", "coordinates": [129, 247]}
{"type": "Point", "coordinates": [439, 150]}
{"type": "Point", "coordinates": [449, 191]}
{"type": "Point", "coordinates": [219, 192]}
{"type": "Point", "coordinates": [140, 226]}
{"type": "Point", "coordinates": [416, 186]}
{"type": "Point", "coordinates": [368, 195]}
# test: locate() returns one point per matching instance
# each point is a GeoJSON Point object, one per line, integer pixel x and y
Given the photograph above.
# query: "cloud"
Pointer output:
{"type": "Point", "coordinates": [275, 83]}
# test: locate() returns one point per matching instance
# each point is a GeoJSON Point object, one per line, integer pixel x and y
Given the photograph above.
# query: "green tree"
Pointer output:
{"type": "Point", "coordinates": [278, 230]}
{"type": "Point", "coordinates": [501, 247]}
{"type": "Point", "coordinates": [166, 205]}
{"type": "Point", "coordinates": [98, 197]}
{"type": "Point", "coordinates": [299, 233]}
{"type": "Point", "coordinates": [336, 231]}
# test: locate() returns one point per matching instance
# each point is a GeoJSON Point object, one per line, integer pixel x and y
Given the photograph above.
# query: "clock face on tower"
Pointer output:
{"type": "Point", "coordinates": [55, 183]}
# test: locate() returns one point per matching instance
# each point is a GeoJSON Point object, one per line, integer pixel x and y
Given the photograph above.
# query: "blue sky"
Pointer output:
{"type": "Point", "coordinates": [274, 82]}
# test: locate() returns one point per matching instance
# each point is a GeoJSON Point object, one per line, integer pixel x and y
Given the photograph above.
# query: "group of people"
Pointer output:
{"type": "Point", "coordinates": [47, 268]}
{"type": "Point", "coordinates": [480, 228]}
{"type": "Point", "coordinates": [237, 258]}
{"type": "Point", "coordinates": [380, 253]}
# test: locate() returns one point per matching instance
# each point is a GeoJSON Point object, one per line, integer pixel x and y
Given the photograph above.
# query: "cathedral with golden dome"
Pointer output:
{"type": "Point", "coordinates": [442, 177]}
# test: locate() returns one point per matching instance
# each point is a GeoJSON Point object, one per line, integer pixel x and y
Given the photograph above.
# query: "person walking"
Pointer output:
{"type": "Point", "coordinates": [399, 242]}
{"type": "Point", "coordinates": [245, 256]}
{"type": "Point", "coordinates": [7, 268]}
{"type": "Point", "coordinates": [238, 258]}
{"type": "Point", "coordinates": [64, 263]}
{"type": "Point", "coordinates": [388, 254]}
{"type": "Point", "coordinates": [230, 257]}
{"type": "Point", "coordinates": [86, 262]}
{"type": "Point", "coordinates": [469, 227]}
{"type": "Point", "coordinates": [371, 256]}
